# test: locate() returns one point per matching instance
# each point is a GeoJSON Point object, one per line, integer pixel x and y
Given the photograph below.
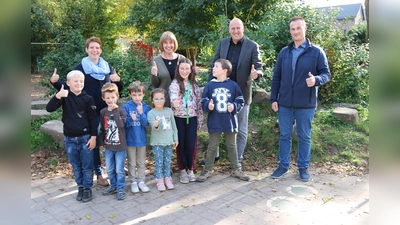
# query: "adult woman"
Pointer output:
{"type": "Point", "coordinates": [97, 72]}
{"type": "Point", "coordinates": [164, 65]}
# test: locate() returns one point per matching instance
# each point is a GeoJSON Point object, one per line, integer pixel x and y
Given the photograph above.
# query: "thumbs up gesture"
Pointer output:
{"type": "Point", "coordinates": [310, 80]}
{"type": "Point", "coordinates": [211, 105]}
{"type": "Point", "coordinates": [154, 69]}
{"type": "Point", "coordinates": [156, 122]}
{"type": "Point", "coordinates": [62, 93]}
{"type": "Point", "coordinates": [55, 77]}
{"type": "Point", "coordinates": [114, 77]}
{"type": "Point", "coordinates": [254, 74]}
{"type": "Point", "coordinates": [230, 107]}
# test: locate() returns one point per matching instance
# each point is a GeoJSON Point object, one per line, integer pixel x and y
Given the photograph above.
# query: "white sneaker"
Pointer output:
{"type": "Point", "coordinates": [134, 187]}
{"type": "Point", "coordinates": [143, 187]}
{"type": "Point", "coordinates": [192, 177]}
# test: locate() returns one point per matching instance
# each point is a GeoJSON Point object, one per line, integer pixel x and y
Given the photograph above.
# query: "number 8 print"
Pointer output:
{"type": "Point", "coordinates": [222, 105]}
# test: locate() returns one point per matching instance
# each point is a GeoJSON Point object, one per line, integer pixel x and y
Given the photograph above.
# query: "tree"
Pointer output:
{"type": "Point", "coordinates": [190, 21]}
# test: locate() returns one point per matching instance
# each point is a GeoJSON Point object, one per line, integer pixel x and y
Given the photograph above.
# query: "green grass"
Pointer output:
{"type": "Point", "coordinates": [39, 139]}
{"type": "Point", "coordinates": [332, 139]}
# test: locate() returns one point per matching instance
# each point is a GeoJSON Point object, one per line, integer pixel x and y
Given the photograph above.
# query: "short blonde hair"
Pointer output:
{"type": "Point", "coordinates": [75, 72]}
{"type": "Point", "coordinates": [168, 35]}
{"type": "Point", "coordinates": [109, 87]}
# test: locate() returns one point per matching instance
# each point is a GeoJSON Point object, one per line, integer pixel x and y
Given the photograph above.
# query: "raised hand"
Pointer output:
{"type": "Point", "coordinates": [211, 105]}
{"type": "Point", "coordinates": [139, 108]}
{"type": "Point", "coordinates": [176, 103]}
{"type": "Point", "coordinates": [62, 93]}
{"type": "Point", "coordinates": [55, 77]}
{"type": "Point", "coordinates": [114, 77]}
{"type": "Point", "coordinates": [133, 115]}
{"type": "Point", "coordinates": [230, 107]}
{"type": "Point", "coordinates": [154, 69]}
{"type": "Point", "coordinates": [254, 74]}
{"type": "Point", "coordinates": [156, 122]}
{"type": "Point", "coordinates": [310, 80]}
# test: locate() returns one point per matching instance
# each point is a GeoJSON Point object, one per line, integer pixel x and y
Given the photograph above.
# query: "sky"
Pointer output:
{"type": "Point", "coordinates": [322, 3]}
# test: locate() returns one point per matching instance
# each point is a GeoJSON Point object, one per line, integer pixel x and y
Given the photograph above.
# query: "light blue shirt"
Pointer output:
{"type": "Point", "coordinates": [295, 54]}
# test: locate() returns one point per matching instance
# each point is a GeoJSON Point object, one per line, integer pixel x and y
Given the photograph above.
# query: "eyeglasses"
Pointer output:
{"type": "Point", "coordinates": [158, 99]}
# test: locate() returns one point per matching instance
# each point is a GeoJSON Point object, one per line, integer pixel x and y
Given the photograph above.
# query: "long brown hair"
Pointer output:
{"type": "Point", "coordinates": [191, 78]}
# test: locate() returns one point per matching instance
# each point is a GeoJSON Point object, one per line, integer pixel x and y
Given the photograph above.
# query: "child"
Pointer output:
{"type": "Point", "coordinates": [222, 99]}
{"type": "Point", "coordinates": [136, 137]}
{"type": "Point", "coordinates": [185, 98]}
{"type": "Point", "coordinates": [80, 130]}
{"type": "Point", "coordinates": [164, 136]}
{"type": "Point", "coordinates": [113, 139]}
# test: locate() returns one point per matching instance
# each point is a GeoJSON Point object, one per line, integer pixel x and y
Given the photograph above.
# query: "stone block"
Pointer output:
{"type": "Point", "coordinates": [41, 104]}
{"type": "Point", "coordinates": [38, 113]}
{"type": "Point", "coordinates": [261, 96]}
{"type": "Point", "coordinates": [346, 114]}
{"type": "Point", "coordinates": [54, 128]}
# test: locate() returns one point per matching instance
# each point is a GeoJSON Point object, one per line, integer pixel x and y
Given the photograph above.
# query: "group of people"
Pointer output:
{"type": "Point", "coordinates": [92, 117]}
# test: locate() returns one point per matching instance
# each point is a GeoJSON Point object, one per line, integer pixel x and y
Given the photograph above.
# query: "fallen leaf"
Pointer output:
{"type": "Point", "coordinates": [112, 216]}
{"type": "Point", "coordinates": [88, 216]}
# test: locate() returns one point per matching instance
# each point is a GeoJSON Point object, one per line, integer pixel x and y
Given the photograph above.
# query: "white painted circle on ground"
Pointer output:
{"type": "Point", "coordinates": [302, 191]}
{"type": "Point", "coordinates": [282, 203]}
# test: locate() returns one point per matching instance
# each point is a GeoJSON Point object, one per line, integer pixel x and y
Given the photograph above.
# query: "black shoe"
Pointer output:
{"type": "Point", "coordinates": [87, 195]}
{"type": "Point", "coordinates": [80, 194]}
{"type": "Point", "coordinates": [203, 162]}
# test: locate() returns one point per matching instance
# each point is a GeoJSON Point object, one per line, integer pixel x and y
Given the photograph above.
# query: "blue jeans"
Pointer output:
{"type": "Point", "coordinates": [303, 118]}
{"type": "Point", "coordinates": [96, 152]}
{"type": "Point", "coordinates": [115, 161]}
{"type": "Point", "coordinates": [81, 159]}
{"type": "Point", "coordinates": [162, 160]}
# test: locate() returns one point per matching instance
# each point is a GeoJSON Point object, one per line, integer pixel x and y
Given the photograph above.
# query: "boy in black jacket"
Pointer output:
{"type": "Point", "coordinates": [80, 131]}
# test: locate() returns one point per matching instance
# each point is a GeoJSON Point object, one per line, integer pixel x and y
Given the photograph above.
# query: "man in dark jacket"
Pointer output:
{"type": "Point", "coordinates": [300, 68]}
{"type": "Point", "coordinates": [244, 54]}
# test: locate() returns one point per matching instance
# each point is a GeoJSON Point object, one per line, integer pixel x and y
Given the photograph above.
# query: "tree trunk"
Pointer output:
{"type": "Point", "coordinates": [191, 54]}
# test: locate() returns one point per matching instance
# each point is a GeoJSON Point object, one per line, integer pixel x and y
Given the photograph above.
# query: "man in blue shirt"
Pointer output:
{"type": "Point", "coordinates": [300, 68]}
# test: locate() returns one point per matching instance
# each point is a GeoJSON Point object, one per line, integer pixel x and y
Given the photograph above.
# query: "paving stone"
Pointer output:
{"type": "Point", "coordinates": [224, 200]}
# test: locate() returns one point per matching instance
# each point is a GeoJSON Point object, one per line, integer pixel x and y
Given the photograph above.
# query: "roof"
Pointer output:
{"type": "Point", "coordinates": [346, 11]}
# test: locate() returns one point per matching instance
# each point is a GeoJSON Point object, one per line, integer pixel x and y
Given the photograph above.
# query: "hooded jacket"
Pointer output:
{"type": "Point", "coordinates": [136, 134]}
{"type": "Point", "coordinates": [79, 113]}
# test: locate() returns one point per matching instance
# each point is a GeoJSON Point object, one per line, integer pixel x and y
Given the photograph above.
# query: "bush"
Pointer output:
{"type": "Point", "coordinates": [131, 66]}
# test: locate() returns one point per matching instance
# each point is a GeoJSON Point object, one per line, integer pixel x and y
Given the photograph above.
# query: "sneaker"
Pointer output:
{"type": "Point", "coordinates": [304, 175]}
{"type": "Point", "coordinates": [143, 187]}
{"type": "Point", "coordinates": [87, 195]}
{"type": "Point", "coordinates": [121, 194]}
{"type": "Point", "coordinates": [183, 178]}
{"type": "Point", "coordinates": [279, 172]}
{"type": "Point", "coordinates": [134, 187]}
{"type": "Point", "coordinates": [240, 174]}
{"type": "Point", "coordinates": [160, 184]}
{"type": "Point", "coordinates": [109, 191]}
{"type": "Point", "coordinates": [80, 194]}
{"type": "Point", "coordinates": [192, 177]}
{"type": "Point", "coordinates": [204, 175]}
{"type": "Point", "coordinates": [168, 183]}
